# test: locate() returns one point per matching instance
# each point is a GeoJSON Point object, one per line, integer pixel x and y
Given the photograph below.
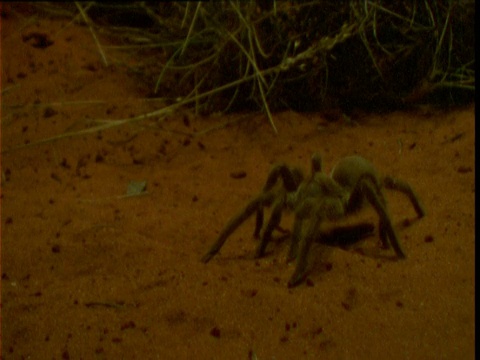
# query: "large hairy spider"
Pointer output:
{"type": "Point", "coordinates": [313, 200]}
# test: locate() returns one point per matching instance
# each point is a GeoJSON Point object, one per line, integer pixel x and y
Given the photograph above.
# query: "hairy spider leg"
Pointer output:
{"type": "Point", "coordinates": [297, 232]}
{"type": "Point", "coordinates": [310, 215]}
{"type": "Point", "coordinates": [303, 244]}
{"type": "Point", "coordinates": [291, 180]}
{"type": "Point", "coordinates": [316, 167]}
{"type": "Point", "coordinates": [374, 196]}
{"type": "Point", "coordinates": [272, 179]}
{"type": "Point", "coordinates": [264, 199]}
{"type": "Point", "coordinates": [258, 223]}
{"type": "Point", "coordinates": [289, 176]}
{"type": "Point", "coordinates": [303, 211]}
{"type": "Point", "coordinates": [382, 230]}
{"type": "Point", "coordinates": [399, 185]}
{"type": "Point", "coordinates": [275, 218]}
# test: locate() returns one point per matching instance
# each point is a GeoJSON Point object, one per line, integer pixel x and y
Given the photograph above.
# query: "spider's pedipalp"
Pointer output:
{"type": "Point", "coordinates": [310, 214]}
{"type": "Point", "coordinates": [304, 244]}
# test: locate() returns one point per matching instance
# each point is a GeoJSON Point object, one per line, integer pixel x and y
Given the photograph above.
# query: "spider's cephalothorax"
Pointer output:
{"type": "Point", "coordinates": [315, 199]}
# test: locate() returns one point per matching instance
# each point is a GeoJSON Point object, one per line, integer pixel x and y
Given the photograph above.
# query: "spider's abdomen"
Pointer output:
{"type": "Point", "coordinates": [350, 169]}
{"type": "Point", "coordinates": [347, 174]}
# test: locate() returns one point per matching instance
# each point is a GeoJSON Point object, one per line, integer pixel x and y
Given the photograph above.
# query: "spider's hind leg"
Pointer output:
{"type": "Point", "coordinates": [399, 185]}
{"type": "Point", "coordinates": [375, 197]}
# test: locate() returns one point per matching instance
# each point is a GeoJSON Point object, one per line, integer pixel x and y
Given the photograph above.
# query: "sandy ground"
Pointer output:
{"type": "Point", "coordinates": [88, 273]}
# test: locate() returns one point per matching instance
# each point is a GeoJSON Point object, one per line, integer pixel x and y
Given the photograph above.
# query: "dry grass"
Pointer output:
{"type": "Point", "coordinates": [237, 55]}
{"type": "Point", "coordinates": [301, 55]}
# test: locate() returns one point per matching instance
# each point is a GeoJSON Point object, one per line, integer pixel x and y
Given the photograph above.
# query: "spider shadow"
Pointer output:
{"type": "Point", "coordinates": [347, 237]}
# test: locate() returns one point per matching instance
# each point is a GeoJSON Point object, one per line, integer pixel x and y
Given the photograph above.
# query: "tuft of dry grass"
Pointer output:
{"type": "Point", "coordinates": [302, 55]}
{"type": "Point", "coordinates": [246, 55]}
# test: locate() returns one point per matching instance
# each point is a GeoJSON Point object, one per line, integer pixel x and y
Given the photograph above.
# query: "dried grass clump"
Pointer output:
{"type": "Point", "coordinates": [224, 56]}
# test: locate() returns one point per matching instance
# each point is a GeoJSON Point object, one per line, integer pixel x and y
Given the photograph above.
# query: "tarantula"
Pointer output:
{"type": "Point", "coordinates": [352, 182]}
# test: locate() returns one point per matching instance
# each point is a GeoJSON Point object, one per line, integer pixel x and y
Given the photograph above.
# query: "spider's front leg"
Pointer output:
{"type": "Point", "coordinates": [264, 199]}
{"type": "Point", "coordinates": [278, 171]}
{"type": "Point", "coordinates": [275, 217]}
{"type": "Point", "coordinates": [291, 179]}
{"type": "Point", "coordinates": [258, 223]}
{"type": "Point", "coordinates": [296, 234]}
